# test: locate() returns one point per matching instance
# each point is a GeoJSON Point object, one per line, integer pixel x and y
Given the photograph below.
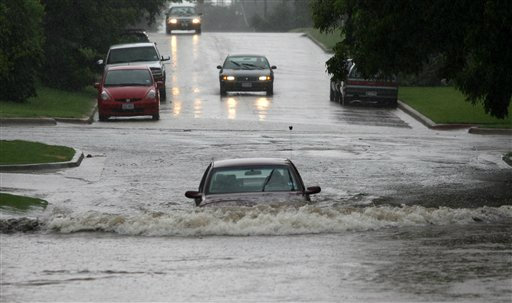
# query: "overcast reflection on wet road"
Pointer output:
{"type": "Point", "coordinates": [405, 213]}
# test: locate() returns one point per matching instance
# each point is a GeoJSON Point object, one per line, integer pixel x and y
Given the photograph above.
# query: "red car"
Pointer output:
{"type": "Point", "coordinates": [128, 91]}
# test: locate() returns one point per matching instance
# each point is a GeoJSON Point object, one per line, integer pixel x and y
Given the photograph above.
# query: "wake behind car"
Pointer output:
{"type": "Point", "coordinates": [251, 181]}
{"type": "Point", "coordinates": [358, 90]}
{"type": "Point", "coordinates": [183, 18]}
{"type": "Point", "coordinates": [138, 54]}
{"type": "Point", "coordinates": [128, 91]}
{"type": "Point", "coordinates": [246, 73]}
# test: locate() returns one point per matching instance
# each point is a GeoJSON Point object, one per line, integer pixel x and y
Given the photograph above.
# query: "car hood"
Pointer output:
{"type": "Point", "coordinates": [253, 199]}
{"type": "Point", "coordinates": [128, 92]}
{"type": "Point", "coordinates": [150, 64]}
{"type": "Point", "coordinates": [184, 17]}
{"type": "Point", "coordinates": [246, 72]}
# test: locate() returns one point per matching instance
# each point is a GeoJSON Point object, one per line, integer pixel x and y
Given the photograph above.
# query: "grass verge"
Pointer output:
{"type": "Point", "coordinates": [25, 152]}
{"type": "Point", "coordinates": [20, 203]}
{"type": "Point", "coordinates": [448, 105]}
{"type": "Point", "coordinates": [52, 103]}
{"type": "Point", "coordinates": [329, 40]}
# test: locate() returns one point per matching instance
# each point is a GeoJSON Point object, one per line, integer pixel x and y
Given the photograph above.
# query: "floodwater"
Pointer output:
{"type": "Point", "coordinates": [405, 213]}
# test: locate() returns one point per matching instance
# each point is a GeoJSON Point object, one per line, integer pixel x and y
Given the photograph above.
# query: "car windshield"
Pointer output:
{"type": "Point", "coordinates": [355, 74]}
{"type": "Point", "coordinates": [182, 11]}
{"type": "Point", "coordinates": [132, 54]}
{"type": "Point", "coordinates": [252, 179]}
{"type": "Point", "coordinates": [128, 77]}
{"type": "Point", "coordinates": [246, 62]}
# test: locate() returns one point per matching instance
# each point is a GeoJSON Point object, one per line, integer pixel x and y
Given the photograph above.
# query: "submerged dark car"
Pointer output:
{"type": "Point", "coordinates": [251, 181]}
{"type": "Point", "coordinates": [183, 18]}
{"type": "Point", "coordinates": [246, 73]}
{"type": "Point", "coordinates": [358, 90]}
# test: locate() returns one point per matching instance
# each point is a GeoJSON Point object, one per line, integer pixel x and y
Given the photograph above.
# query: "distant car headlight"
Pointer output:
{"type": "Point", "coordinates": [151, 94]}
{"type": "Point", "coordinates": [173, 20]}
{"type": "Point", "coordinates": [196, 20]}
{"type": "Point", "coordinates": [229, 78]}
{"type": "Point", "coordinates": [104, 96]}
{"type": "Point", "coordinates": [263, 78]}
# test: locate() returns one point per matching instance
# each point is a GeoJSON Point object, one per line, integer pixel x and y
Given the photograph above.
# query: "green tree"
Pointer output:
{"type": "Point", "coordinates": [78, 32]}
{"type": "Point", "coordinates": [21, 52]}
{"type": "Point", "coordinates": [471, 38]}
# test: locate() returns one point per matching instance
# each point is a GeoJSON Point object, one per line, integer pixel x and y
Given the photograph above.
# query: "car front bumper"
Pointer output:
{"type": "Point", "coordinates": [246, 85]}
{"type": "Point", "coordinates": [138, 108]}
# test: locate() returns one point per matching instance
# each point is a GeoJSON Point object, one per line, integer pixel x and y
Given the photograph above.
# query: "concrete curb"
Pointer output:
{"type": "Point", "coordinates": [49, 121]}
{"type": "Point", "coordinates": [472, 129]}
{"type": "Point", "coordinates": [77, 159]}
{"type": "Point", "coordinates": [320, 44]}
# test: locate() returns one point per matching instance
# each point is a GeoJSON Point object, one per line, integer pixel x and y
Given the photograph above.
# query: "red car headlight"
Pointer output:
{"type": "Point", "coordinates": [104, 96]}
{"type": "Point", "coordinates": [151, 94]}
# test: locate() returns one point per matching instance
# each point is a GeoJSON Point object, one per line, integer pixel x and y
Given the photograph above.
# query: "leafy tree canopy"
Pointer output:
{"type": "Point", "coordinates": [78, 32]}
{"type": "Point", "coordinates": [21, 52]}
{"type": "Point", "coordinates": [473, 38]}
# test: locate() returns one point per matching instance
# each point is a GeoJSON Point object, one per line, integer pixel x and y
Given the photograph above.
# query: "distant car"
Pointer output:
{"type": "Point", "coordinates": [134, 36]}
{"type": "Point", "coordinates": [358, 90]}
{"type": "Point", "coordinates": [183, 18]}
{"type": "Point", "coordinates": [246, 73]}
{"type": "Point", "coordinates": [251, 181]}
{"type": "Point", "coordinates": [128, 91]}
{"type": "Point", "coordinates": [138, 54]}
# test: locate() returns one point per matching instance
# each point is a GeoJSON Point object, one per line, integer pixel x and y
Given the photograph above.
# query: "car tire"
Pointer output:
{"type": "Point", "coordinates": [270, 90]}
{"type": "Point", "coordinates": [156, 117]}
{"type": "Point", "coordinates": [198, 31]}
{"type": "Point", "coordinates": [163, 93]}
{"type": "Point", "coordinates": [331, 94]}
{"type": "Point", "coordinates": [222, 90]}
{"type": "Point", "coordinates": [103, 118]}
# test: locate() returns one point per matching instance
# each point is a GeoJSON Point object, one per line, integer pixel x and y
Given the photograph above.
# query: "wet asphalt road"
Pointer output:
{"type": "Point", "coordinates": [405, 214]}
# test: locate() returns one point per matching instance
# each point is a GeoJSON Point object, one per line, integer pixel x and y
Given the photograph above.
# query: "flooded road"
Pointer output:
{"type": "Point", "coordinates": [405, 213]}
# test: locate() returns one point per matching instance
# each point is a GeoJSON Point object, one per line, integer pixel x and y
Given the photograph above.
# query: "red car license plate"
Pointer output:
{"type": "Point", "coordinates": [127, 106]}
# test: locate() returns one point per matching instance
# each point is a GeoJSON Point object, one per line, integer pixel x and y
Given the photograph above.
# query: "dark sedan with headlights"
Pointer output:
{"type": "Point", "coordinates": [251, 181]}
{"type": "Point", "coordinates": [246, 73]}
{"type": "Point", "coordinates": [183, 18]}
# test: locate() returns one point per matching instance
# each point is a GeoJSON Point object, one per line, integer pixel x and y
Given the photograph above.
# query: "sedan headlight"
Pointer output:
{"type": "Point", "coordinates": [151, 94]}
{"type": "Point", "coordinates": [104, 96]}
{"type": "Point", "coordinates": [229, 78]}
{"type": "Point", "coordinates": [173, 20]}
{"type": "Point", "coordinates": [263, 78]}
{"type": "Point", "coordinates": [196, 20]}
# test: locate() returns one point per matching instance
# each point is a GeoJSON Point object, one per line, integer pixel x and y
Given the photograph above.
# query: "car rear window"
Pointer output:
{"type": "Point", "coordinates": [128, 77]}
{"type": "Point", "coordinates": [132, 54]}
{"type": "Point", "coordinates": [251, 179]}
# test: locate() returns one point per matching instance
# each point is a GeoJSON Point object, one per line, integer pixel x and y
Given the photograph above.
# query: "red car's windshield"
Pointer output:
{"type": "Point", "coordinates": [128, 77]}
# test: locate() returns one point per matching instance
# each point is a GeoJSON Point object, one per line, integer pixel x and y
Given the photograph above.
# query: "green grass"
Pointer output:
{"type": "Point", "coordinates": [52, 103]}
{"type": "Point", "coordinates": [448, 105]}
{"type": "Point", "coordinates": [328, 40]}
{"type": "Point", "coordinates": [25, 152]}
{"type": "Point", "coordinates": [15, 202]}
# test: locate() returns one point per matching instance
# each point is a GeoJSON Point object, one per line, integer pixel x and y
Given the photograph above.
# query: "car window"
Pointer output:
{"type": "Point", "coordinates": [246, 62]}
{"type": "Point", "coordinates": [252, 179]}
{"type": "Point", "coordinates": [355, 74]}
{"type": "Point", "coordinates": [132, 54]}
{"type": "Point", "coordinates": [182, 11]}
{"type": "Point", "coordinates": [132, 77]}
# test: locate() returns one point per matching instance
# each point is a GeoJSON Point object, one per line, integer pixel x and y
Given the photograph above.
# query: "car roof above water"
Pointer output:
{"type": "Point", "coordinates": [250, 162]}
{"type": "Point", "coordinates": [131, 45]}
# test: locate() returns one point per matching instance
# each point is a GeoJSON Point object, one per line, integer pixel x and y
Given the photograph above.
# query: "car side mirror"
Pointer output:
{"type": "Point", "coordinates": [166, 58]}
{"type": "Point", "coordinates": [273, 67]}
{"type": "Point", "coordinates": [313, 190]}
{"type": "Point", "coordinates": [159, 84]}
{"type": "Point", "coordinates": [219, 67]}
{"type": "Point", "coordinates": [191, 194]}
{"type": "Point", "coordinates": [97, 85]}
{"type": "Point", "coordinates": [99, 62]}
